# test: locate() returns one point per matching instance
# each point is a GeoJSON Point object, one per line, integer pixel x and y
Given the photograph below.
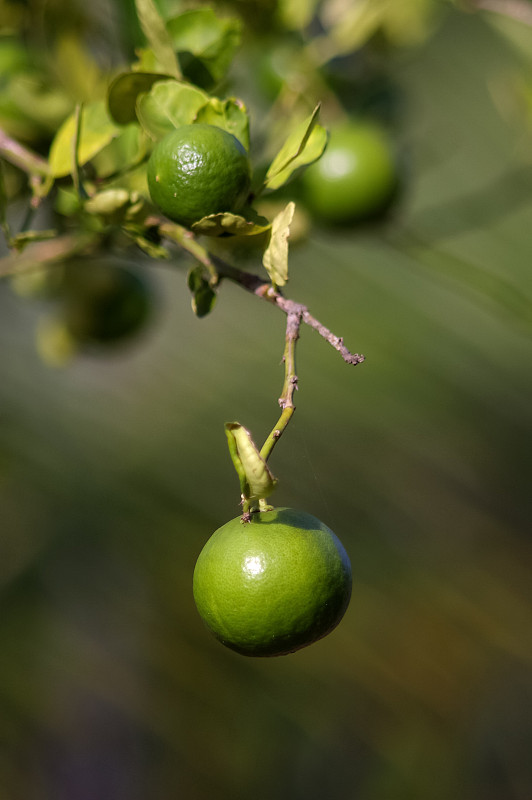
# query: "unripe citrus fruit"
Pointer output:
{"type": "Point", "coordinates": [198, 170]}
{"type": "Point", "coordinates": [356, 177]}
{"type": "Point", "coordinates": [273, 585]}
{"type": "Point", "coordinates": [103, 302]}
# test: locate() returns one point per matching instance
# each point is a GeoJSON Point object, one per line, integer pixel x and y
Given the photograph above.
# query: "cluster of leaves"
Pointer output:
{"type": "Point", "coordinates": [97, 156]}
{"type": "Point", "coordinates": [101, 130]}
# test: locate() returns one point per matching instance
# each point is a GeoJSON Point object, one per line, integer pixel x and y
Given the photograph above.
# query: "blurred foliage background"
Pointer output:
{"type": "Point", "coordinates": [114, 470]}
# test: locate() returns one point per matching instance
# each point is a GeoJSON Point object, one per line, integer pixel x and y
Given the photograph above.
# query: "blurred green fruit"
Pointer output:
{"type": "Point", "coordinates": [356, 178]}
{"type": "Point", "coordinates": [104, 303]}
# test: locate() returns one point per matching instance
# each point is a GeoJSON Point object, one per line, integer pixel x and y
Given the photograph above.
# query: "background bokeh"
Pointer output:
{"type": "Point", "coordinates": [114, 472]}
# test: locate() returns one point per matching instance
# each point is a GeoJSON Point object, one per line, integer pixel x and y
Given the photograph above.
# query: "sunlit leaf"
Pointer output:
{"type": "Point", "coordinates": [304, 145]}
{"type": "Point", "coordinates": [211, 39]}
{"type": "Point", "coordinates": [97, 130]}
{"type": "Point", "coordinates": [249, 462]}
{"type": "Point", "coordinates": [107, 202]}
{"type": "Point", "coordinates": [224, 223]}
{"type": "Point", "coordinates": [147, 62]}
{"type": "Point", "coordinates": [275, 258]}
{"type": "Point", "coordinates": [123, 153]}
{"type": "Point", "coordinates": [203, 296]}
{"type": "Point", "coordinates": [296, 14]}
{"type": "Point", "coordinates": [79, 71]}
{"type": "Point", "coordinates": [123, 93]}
{"type": "Point", "coordinates": [231, 115]}
{"type": "Point", "coordinates": [157, 35]}
{"type": "Point", "coordinates": [67, 202]}
{"type": "Point", "coordinates": [168, 105]}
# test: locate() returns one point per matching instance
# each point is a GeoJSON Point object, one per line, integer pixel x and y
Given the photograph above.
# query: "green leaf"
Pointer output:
{"type": "Point", "coordinates": [256, 479]}
{"type": "Point", "coordinates": [224, 223]}
{"type": "Point", "coordinates": [123, 153]}
{"type": "Point", "coordinates": [152, 248]}
{"type": "Point", "coordinates": [108, 202]}
{"type": "Point", "coordinates": [123, 93]}
{"type": "Point", "coordinates": [147, 61]}
{"type": "Point", "coordinates": [231, 115]}
{"type": "Point", "coordinates": [168, 105]}
{"type": "Point", "coordinates": [97, 130]}
{"type": "Point", "coordinates": [160, 41]}
{"type": "Point", "coordinates": [297, 14]}
{"type": "Point", "coordinates": [304, 145]}
{"type": "Point", "coordinates": [67, 202]}
{"type": "Point", "coordinates": [275, 258]}
{"type": "Point", "coordinates": [212, 40]}
{"type": "Point", "coordinates": [203, 296]}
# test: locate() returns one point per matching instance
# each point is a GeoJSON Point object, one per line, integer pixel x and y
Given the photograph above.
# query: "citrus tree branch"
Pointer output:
{"type": "Point", "coordinates": [286, 400]}
{"type": "Point", "coordinates": [219, 269]}
{"type": "Point", "coordinates": [42, 254]}
{"type": "Point", "coordinates": [21, 157]}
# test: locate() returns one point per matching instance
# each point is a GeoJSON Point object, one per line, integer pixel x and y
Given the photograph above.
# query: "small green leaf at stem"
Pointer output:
{"type": "Point", "coordinates": [275, 257]}
{"type": "Point", "coordinates": [256, 479]}
{"type": "Point", "coordinates": [304, 145]}
{"type": "Point", "coordinates": [203, 296]}
{"type": "Point", "coordinates": [154, 29]}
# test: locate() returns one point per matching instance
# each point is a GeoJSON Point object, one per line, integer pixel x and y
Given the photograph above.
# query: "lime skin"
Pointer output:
{"type": "Point", "coordinates": [273, 585]}
{"type": "Point", "coordinates": [198, 170]}
{"type": "Point", "coordinates": [357, 176]}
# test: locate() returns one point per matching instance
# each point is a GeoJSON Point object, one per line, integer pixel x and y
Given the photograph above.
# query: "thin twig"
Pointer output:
{"type": "Point", "coordinates": [286, 400]}
{"type": "Point", "coordinates": [21, 157]}
{"type": "Point", "coordinates": [254, 284]}
{"type": "Point", "coordinates": [335, 341]}
{"type": "Point", "coordinates": [39, 254]}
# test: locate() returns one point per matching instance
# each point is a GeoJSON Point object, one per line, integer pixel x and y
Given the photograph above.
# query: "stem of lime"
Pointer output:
{"type": "Point", "coordinates": [286, 400]}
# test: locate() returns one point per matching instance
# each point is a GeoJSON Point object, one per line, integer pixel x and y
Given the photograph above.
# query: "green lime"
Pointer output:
{"type": "Point", "coordinates": [356, 178]}
{"type": "Point", "coordinates": [273, 585]}
{"type": "Point", "coordinates": [198, 170]}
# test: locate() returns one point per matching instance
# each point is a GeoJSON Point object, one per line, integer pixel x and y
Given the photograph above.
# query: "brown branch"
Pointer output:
{"type": "Point", "coordinates": [286, 400]}
{"type": "Point", "coordinates": [219, 269]}
{"type": "Point", "coordinates": [21, 157]}
{"type": "Point", "coordinates": [40, 254]}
